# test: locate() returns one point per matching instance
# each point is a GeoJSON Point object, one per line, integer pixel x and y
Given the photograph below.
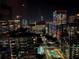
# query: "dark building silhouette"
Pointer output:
{"type": "Point", "coordinates": [5, 10]}
{"type": "Point", "coordinates": [18, 8]}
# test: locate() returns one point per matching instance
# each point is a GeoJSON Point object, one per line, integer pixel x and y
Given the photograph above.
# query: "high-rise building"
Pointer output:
{"type": "Point", "coordinates": [18, 8]}
{"type": "Point", "coordinates": [5, 14]}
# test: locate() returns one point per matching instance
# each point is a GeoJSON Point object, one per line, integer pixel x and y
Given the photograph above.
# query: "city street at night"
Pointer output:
{"type": "Point", "coordinates": [39, 29]}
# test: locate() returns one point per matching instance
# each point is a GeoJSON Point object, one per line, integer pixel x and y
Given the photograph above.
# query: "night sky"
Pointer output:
{"type": "Point", "coordinates": [43, 7]}
{"type": "Point", "coordinates": [53, 3]}
{"type": "Point", "coordinates": [33, 9]}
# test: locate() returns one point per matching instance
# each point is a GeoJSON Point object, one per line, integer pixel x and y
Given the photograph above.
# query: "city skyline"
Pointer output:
{"type": "Point", "coordinates": [34, 9]}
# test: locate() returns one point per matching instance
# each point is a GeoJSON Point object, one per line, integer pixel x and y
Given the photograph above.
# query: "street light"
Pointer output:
{"type": "Point", "coordinates": [17, 17]}
{"type": "Point", "coordinates": [22, 5]}
{"type": "Point", "coordinates": [77, 14]}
